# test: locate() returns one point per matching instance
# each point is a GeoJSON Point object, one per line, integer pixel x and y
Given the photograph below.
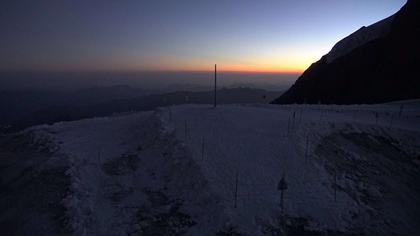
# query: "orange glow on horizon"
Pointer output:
{"type": "Point", "coordinates": [268, 64]}
{"type": "Point", "coordinates": [255, 69]}
{"type": "Point", "coordinates": [221, 67]}
{"type": "Point", "coordinates": [168, 64]}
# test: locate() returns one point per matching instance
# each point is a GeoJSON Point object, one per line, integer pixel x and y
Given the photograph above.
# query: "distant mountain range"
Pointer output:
{"type": "Point", "coordinates": [21, 109]}
{"type": "Point", "coordinates": [378, 63]}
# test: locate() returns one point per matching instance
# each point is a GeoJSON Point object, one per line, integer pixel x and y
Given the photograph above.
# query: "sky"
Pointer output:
{"type": "Point", "coordinates": [262, 36]}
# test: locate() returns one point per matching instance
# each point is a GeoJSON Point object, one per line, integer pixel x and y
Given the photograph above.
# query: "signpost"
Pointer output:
{"type": "Point", "coordinates": [282, 186]}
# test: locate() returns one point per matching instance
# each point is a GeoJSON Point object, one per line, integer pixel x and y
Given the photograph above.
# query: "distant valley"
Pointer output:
{"type": "Point", "coordinates": [21, 109]}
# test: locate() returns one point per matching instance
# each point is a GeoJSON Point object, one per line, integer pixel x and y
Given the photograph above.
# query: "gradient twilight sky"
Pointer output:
{"type": "Point", "coordinates": [239, 35]}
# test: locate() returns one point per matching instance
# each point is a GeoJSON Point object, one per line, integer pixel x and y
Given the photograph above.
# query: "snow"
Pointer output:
{"type": "Point", "coordinates": [114, 163]}
{"type": "Point", "coordinates": [128, 169]}
{"type": "Point", "coordinates": [359, 38]}
{"type": "Point", "coordinates": [253, 142]}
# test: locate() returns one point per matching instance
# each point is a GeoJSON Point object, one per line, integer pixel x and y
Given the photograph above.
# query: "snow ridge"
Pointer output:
{"type": "Point", "coordinates": [360, 37]}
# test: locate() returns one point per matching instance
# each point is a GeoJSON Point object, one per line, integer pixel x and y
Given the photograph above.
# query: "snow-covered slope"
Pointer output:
{"type": "Point", "coordinates": [197, 170]}
{"type": "Point", "coordinates": [261, 144]}
{"type": "Point", "coordinates": [362, 36]}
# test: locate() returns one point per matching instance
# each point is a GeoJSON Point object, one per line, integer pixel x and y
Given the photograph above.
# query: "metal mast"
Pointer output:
{"type": "Point", "coordinates": [215, 85]}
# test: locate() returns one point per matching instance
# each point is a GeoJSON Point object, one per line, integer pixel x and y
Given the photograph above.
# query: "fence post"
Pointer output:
{"type": "Point", "coordinates": [307, 148]}
{"type": "Point", "coordinates": [335, 185]}
{"type": "Point", "coordinates": [202, 147]}
{"type": "Point", "coordinates": [236, 191]}
{"type": "Point", "coordinates": [186, 131]}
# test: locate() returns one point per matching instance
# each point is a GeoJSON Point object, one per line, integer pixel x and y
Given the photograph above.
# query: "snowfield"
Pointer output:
{"type": "Point", "coordinates": [199, 170]}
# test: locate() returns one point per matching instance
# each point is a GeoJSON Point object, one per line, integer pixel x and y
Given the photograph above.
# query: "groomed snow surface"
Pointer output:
{"type": "Point", "coordinates": [199, 170]}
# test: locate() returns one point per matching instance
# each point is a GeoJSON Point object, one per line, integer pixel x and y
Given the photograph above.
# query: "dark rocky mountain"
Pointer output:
{"type": "Point", "coordinates": [379, 63]}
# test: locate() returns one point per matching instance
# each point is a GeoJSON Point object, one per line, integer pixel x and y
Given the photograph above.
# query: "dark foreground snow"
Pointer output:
{"type": "Point", "coordinates": [196, 170]}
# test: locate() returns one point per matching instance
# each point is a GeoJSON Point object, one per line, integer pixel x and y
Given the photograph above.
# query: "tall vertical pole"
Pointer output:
{"type": "Point", "coordinates": [215, 85]}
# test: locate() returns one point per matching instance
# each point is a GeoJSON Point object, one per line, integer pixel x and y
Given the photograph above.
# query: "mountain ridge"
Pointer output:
{"type": "Point", "coordinates": [378, 70]}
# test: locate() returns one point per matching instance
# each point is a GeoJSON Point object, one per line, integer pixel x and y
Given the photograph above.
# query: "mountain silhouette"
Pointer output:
{"type": "Point", "coordinates": [378, 63]}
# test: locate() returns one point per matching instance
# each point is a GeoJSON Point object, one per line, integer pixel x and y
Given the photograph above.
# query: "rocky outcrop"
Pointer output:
{"type": "Point", "coordinates": [379, 63]}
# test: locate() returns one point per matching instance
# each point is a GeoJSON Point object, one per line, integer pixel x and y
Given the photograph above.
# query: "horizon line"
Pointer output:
{"type": "Point", "coordinates": [210, 70]}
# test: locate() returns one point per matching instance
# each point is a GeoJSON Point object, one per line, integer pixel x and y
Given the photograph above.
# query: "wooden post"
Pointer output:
{"type": "Point", "coordinates": [335, 185]}
{"type": "Point", "coordinates": [236, 190]}
{"type": "Point", "coordinates": [307, 148]}
{"type": "Point", "coordinates": [202, 148]}
{"type": "Point", "coordinates": [215, 85]}
{"type": "Point", "coordinates": [185, 129]}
